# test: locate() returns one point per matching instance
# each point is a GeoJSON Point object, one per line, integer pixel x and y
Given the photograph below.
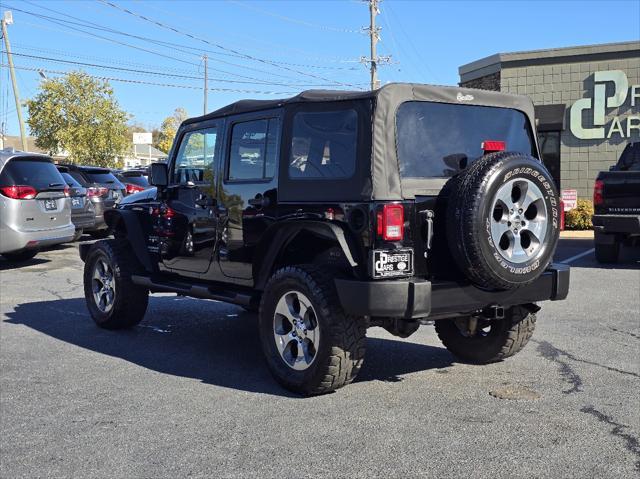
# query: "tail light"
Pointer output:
{"type": "Point", "coordinates": [131, 188]}
{"type": "Point", "coordinates": [390, 222]}
{"type": "Point", "coordinates": [96, 192]}
{"type": "Point", "coordinates": [598, 188]}
{"type": "Point", "coordinates": [19, 192]}
{"type": "Point", "coordinates": [163, 211]}
{"type": "Point", "coordinates": [491, 146]}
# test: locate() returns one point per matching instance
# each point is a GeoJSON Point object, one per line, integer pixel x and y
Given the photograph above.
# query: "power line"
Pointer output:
{"type": "Point", "coordinates": [294, 20]}
{"type": "Point", "coordinates": [141, 82]}
{"type": "Point", "coordinates": [149, 72]}
{"type": "Point", "coordinates": [175, 46]}
{"type": "Point", "coordinates": [203, 40]}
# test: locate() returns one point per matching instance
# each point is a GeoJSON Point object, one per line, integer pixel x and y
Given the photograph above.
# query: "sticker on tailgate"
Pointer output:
{"type": "Point", "coordinates": [392, 263]}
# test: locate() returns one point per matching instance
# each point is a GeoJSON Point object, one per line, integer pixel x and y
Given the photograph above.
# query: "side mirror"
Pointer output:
{"type": "Point", "coordinates": [159, 174]}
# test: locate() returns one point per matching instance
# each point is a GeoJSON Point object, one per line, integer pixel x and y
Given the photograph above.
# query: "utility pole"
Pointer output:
{"type": "Point", "coordinates": [7, 19]}
{"type": "Point", "coordinates": [374, 35]}
{"type": "Point", "coordinates": [205, 58]}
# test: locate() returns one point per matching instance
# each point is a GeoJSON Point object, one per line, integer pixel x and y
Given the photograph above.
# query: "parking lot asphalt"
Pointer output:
{"type": "Point", "coordinates": [187, 394]}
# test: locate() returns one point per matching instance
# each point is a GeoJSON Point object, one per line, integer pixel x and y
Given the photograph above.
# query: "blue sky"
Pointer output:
{"type": "Point", "coordinates": [281, 46]}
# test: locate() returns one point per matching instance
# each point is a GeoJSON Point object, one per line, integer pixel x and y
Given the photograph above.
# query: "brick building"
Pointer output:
{"type": "Point", "coordinates": [587, 103]}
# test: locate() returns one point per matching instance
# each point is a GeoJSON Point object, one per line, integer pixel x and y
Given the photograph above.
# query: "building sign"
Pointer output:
{"type": "Point", "coordinates": [619, 126]}
{"type": "Point", "coordinates": [569, 199]}
{"type": "Point", "coordinates": [142, 138]}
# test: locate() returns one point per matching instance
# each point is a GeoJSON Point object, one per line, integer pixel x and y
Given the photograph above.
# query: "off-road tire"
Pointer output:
{"type": "Point", "coordinates": [469, 212]}
{"type": "Point", "coordinates": [607, 253]}
{"type": "Point", "coordinates": [131, 300]}
{"type": "Point", "coordinates": [507, 337]}
{"type": "Point", "coordinates": [20, 256]}
{"type": "Point", "coordinates": [341, 348]}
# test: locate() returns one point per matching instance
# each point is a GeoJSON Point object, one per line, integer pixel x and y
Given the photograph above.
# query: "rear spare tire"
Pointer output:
{"type": "Point", "coordinates": [502, 220]}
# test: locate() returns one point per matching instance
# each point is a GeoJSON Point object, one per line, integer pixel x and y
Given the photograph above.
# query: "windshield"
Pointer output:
{"type": "Point", "coordinates": [40, 174]}
{"type": "Point", "coordinates": [440, 139]}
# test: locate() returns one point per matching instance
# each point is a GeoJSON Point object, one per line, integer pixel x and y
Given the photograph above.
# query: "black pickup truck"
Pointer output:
{"type": "Point", "coordinates": [616, 201]}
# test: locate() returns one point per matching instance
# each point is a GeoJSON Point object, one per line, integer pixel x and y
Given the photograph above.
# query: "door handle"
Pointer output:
{"type": "Point", "coordinates": [259, 201]}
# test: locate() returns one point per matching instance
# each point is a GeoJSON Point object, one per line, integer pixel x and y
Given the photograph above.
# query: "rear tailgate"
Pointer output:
{"type": "Point", "coordinates": [621, 192]}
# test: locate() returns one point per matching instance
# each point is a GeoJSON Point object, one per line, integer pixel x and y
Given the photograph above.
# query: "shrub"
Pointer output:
{"type": "Point", "coordinates": [579, 218]}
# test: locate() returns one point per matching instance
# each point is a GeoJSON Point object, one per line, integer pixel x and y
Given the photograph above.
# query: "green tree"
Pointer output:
{"type": "Point", "coordinates": [169, 129]}
{"type": "Point", "coordinates": [79, 114]}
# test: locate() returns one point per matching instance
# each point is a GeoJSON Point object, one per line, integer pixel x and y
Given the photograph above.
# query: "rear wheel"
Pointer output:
{"type": "Point", "coordinates": [113, 300]}
{"type": "Point", "coordinates": [310, 344]}
{"type": "Point", "coordinates": [480, 340]}
{"type": "Point", "coordinates": [20, 256]}
{"type": "Point", "coordinates": [607, 253]}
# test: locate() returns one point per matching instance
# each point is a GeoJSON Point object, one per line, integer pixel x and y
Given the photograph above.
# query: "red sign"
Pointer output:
{"type": "Point", "coordinates": [570, 199]}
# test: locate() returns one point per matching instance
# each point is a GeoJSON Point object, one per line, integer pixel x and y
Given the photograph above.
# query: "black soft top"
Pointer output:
{"type": "Point", "coordinates": [246, 106]}
{"type": "Point", "coordinates": [384, 182]}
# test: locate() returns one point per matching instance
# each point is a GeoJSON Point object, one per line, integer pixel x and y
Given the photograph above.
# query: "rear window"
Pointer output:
{"type": "Point", "coordinates": [324, 145]}
{"type": "Point", "coordinates": [630, 158]}
{"type": "Point", "coordinates": [71, 181]}
{"type": "Point", "coordinates": [41, 175]}
{"type": "Point", "coordinates": [134, 180]}
{"type": "Point", "coordinates": [440, 139]}
{"type": "Point", "coordinates": [100, 177]}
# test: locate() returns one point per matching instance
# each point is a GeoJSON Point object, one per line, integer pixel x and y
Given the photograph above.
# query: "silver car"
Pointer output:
{"type": "Point", "coordinates": [35, 209]}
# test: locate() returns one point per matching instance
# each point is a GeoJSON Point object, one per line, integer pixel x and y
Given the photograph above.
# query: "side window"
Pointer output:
{"type": "Point", "coordinates": [253, 151]}
{"type": "Point", "coordinates": [324, 145]}
{"type": "Point", "coordinates": [195, 157]}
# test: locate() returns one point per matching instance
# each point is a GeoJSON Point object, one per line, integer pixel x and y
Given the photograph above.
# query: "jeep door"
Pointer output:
{"type": "Point", "coordinates": [247, 198]}
{"type": "Point", "coordinates": [191, 197]}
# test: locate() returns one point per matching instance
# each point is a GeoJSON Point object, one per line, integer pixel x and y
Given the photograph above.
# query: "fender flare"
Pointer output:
{"type": "Point", "coordinates": [286, 231]}
{"type": "Point", "coordinates": [135, 235]}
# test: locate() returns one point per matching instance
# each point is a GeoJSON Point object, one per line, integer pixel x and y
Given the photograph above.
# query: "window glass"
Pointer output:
{"type": "Point", "coordinates": [630, 158]}
{"type": "Point", "coordinates": [195, 157]}
{"type": "Point", "coordinates": [71, 181]}
{"type": "Point", "coordinates": [324, 145]}
{"type": "Point", "coordinates": [253, 152]}
{"type": "Point", "coordinates": [440, 139]}
{"type": "Point", "coordinates": [101, 177]}
{"type": "Point", "coordinates": [36, 173]}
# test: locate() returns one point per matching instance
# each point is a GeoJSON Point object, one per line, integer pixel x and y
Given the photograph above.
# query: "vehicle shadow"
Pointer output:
{"type": "Point", "coordinates": [210, 345]}
{"type": "Point", "coordinates": [8, 265]}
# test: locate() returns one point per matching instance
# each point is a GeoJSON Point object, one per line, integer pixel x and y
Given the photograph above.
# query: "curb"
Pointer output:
{"type": "Point", "coordinates": [568, 234]}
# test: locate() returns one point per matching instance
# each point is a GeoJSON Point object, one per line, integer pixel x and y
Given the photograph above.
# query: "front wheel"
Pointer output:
{"type": "Point", "coordinates": [480, 340]}
{"type": "Point", "coordinates": [310, 344]}
{"type": "Point", "coordinates": [113, 300]}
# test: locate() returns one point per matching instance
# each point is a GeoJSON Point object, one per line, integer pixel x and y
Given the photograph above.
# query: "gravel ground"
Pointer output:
{"type": "Point", "coordinates": [186, 393]}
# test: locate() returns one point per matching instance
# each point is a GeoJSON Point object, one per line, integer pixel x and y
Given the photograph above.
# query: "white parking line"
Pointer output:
{"type": "Point", "coordinates": [578, 256]}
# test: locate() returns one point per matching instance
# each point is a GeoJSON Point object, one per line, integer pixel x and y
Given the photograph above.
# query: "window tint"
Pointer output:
{"type": "Point", "coordinates": [253, 152]}
{"type": "Point", "coordinates": [324, 145]}
{"type": "Point", "coordinates": [101, 177]}
{"type": "Point", "coordinates": [71, 181]}
{"type": "Point", "coordinates": [195, 157]}
{"type": "Point", "coordinates": [439, 139]}
{"type": "Point", "coordinates": [39, 174]}
{"type": "Point", "coordinates": [134, 180]}
{"type": "Point", "coordinates": [79, 177]}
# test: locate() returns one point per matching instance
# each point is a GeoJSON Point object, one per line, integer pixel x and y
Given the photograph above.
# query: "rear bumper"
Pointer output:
{"type": "Point", "coordinates": [83, 219]}
{"type": "Point", "coordinates": [13, 240]}
{"type": "Point", "coordinates": [412, 299]}
{"type": "Point", "coordinates": [616, 224]}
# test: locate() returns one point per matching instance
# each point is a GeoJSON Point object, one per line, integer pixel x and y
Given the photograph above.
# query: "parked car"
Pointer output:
{"type": "Point", "coordinates": [330, 212]}
{"type": "Point", "coordinates": [83, 213]}
{"type": "Point", "coordinates": [616, 203]}
{"type": "Point", "coordinates": [35, 210]}
{"type": "Point", "coordinates": [134, 181]}
{"type": "Point", "coordinates": [103, 190]}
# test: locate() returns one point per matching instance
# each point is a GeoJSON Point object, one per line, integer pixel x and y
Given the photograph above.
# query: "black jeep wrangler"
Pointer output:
{"type": "Point", "coordinates": [333, 211]}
